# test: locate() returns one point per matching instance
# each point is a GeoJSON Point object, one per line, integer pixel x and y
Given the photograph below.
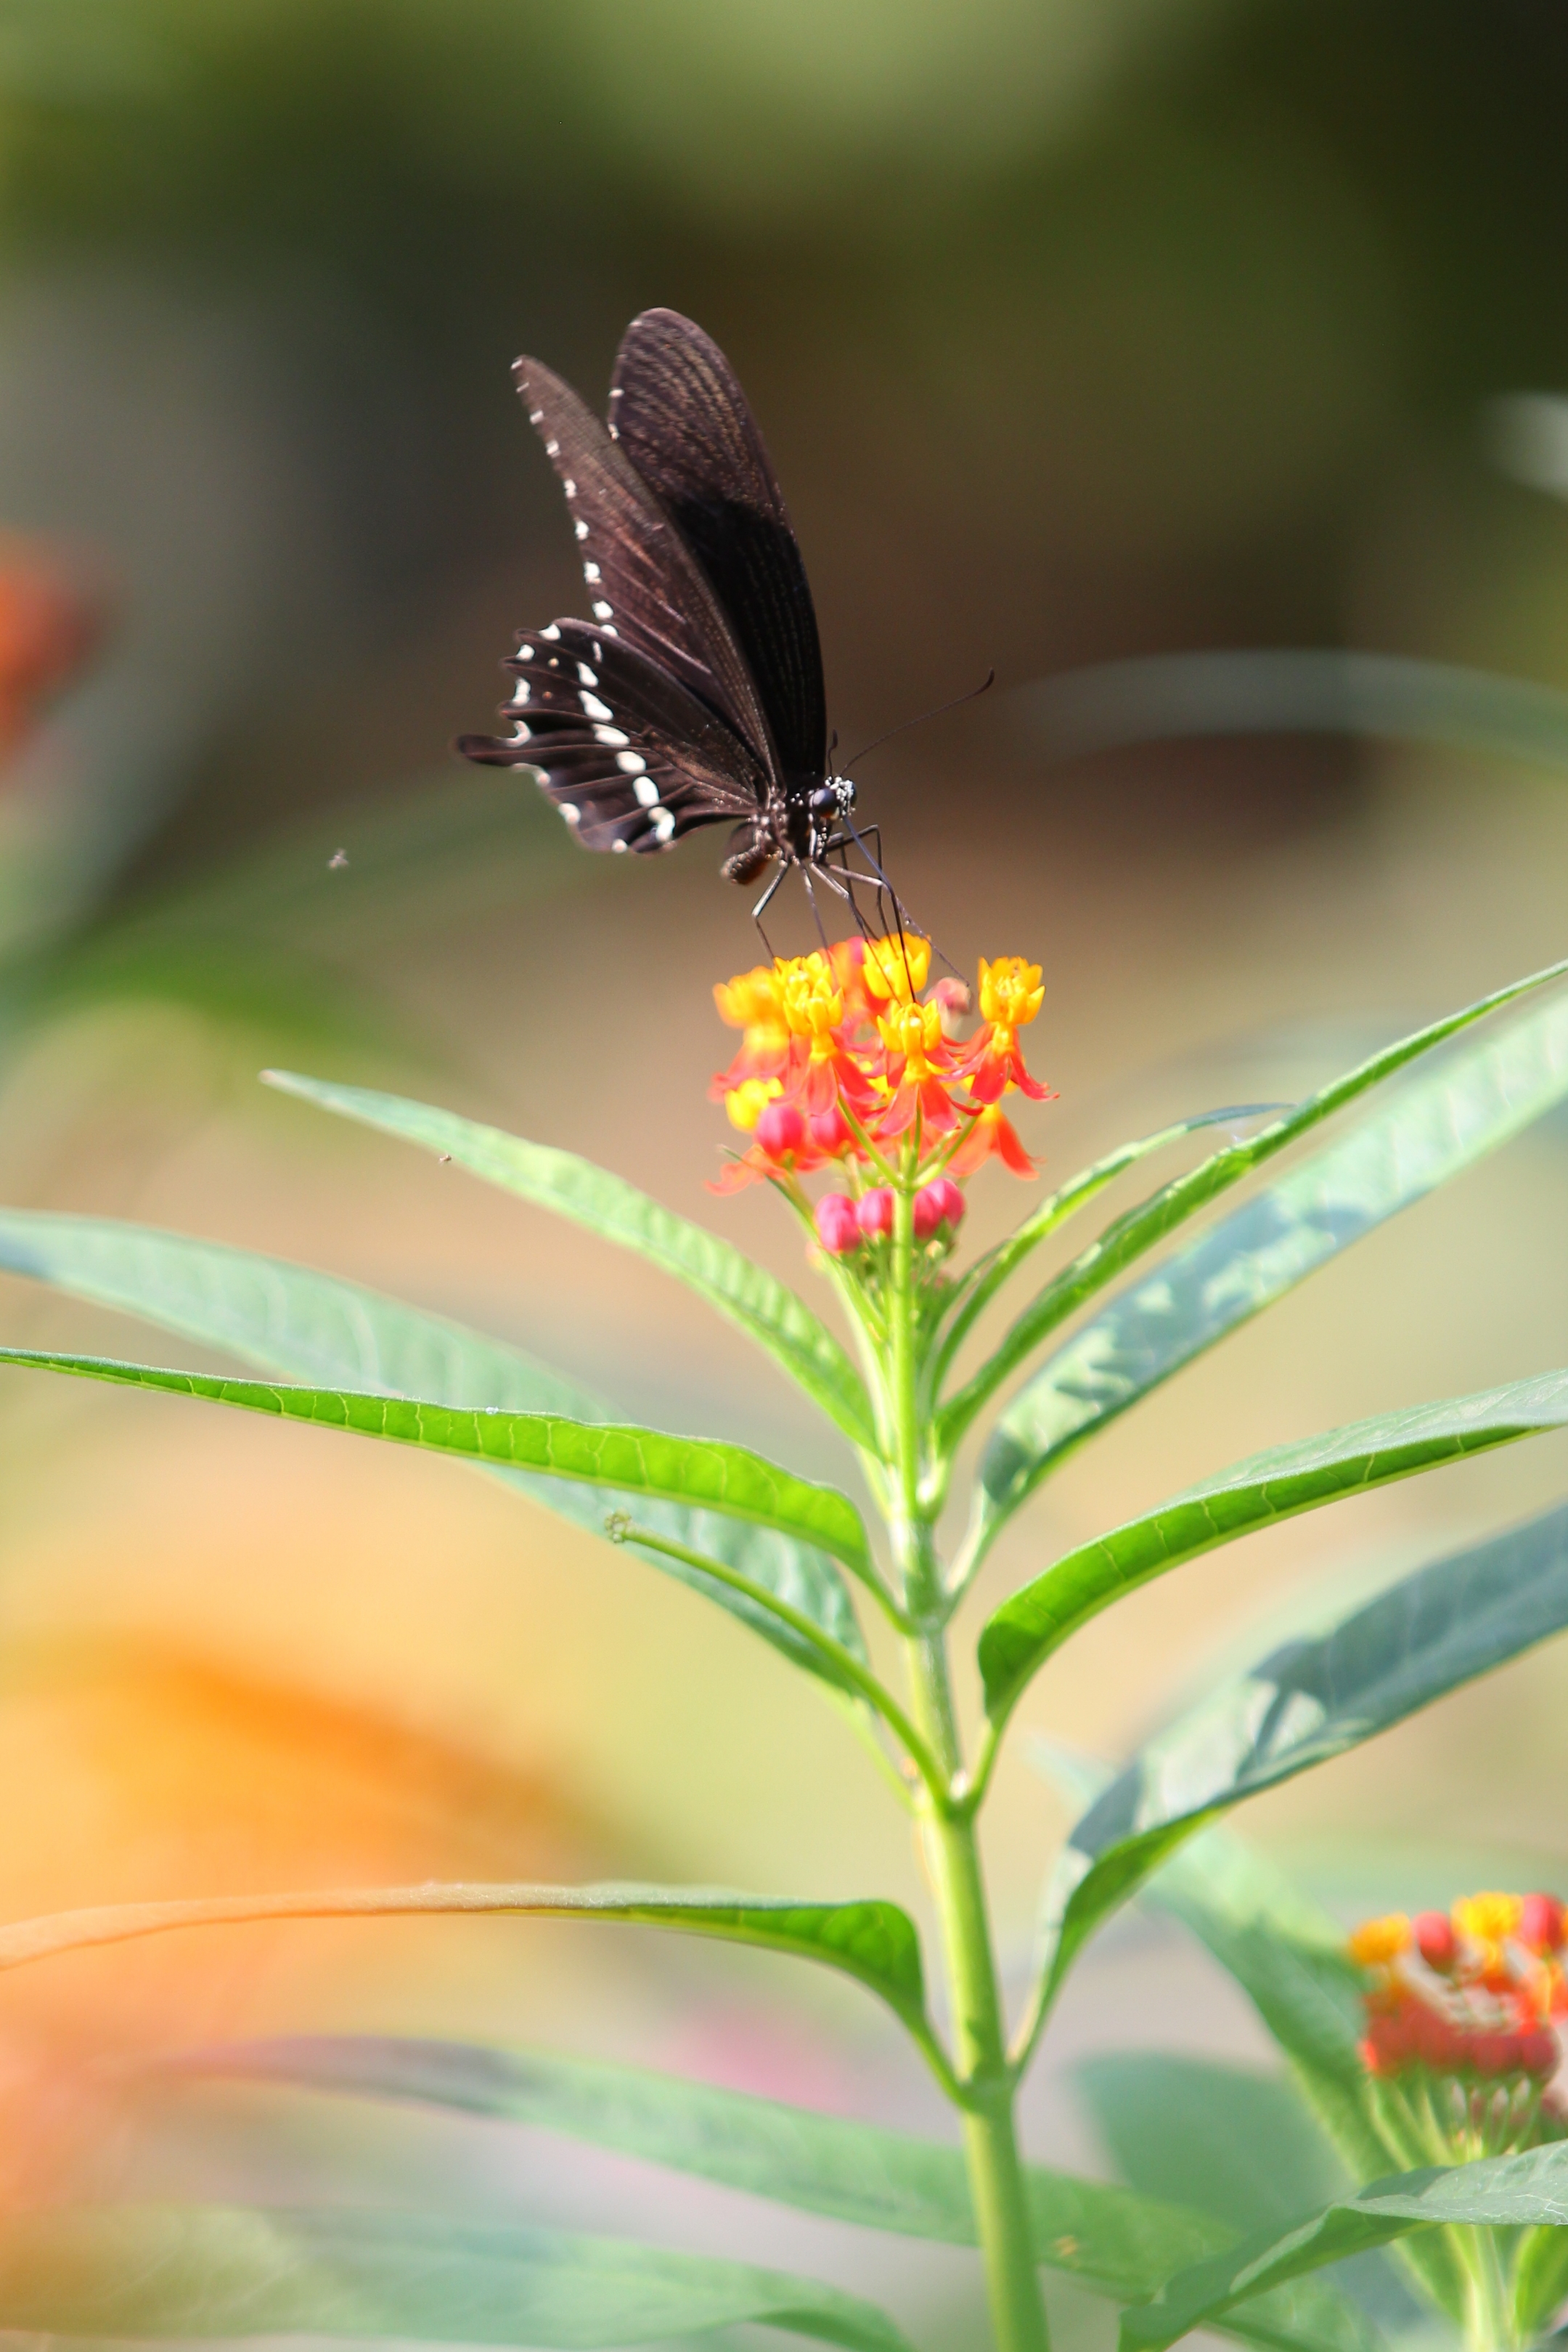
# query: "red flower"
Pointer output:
{"type": "Point", "coordinates": [990, 1133]}
{"type": "Point", "coordinates": [838, 1227]}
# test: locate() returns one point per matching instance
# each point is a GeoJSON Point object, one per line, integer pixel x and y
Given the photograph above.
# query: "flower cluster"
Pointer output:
{"type": "Point", "coordinates": [848, 1060]}
{"type": "Point", "coordinates": [1472, 1992]}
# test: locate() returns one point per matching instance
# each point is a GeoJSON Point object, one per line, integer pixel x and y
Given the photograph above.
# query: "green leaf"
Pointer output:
{"type": "Point", "coordinates": [1113, 2243]}
{"type": "Point", "coordinates": [1142, 1228]}
{"type": "Point", "coordinates": [1277, 1484]}
{"type": "Point", "coordinates": [697, 1470]}
{"type": "Point", "coordinates": [136, 2272]}
{"type": "Point", "coordinates": [1308, 1701]}
{"type": "Point", "coordinates": [1237, 2143]}
{"type": "Point", "coordinates": [1289, 1957]}
{"type": "Point", "coordinates": [972, 1293]}
{"type": "Point", "coordinates": [317, 1329]}
{"type": "Point", "coordinates": [1435, 1128]}
{"type": "Point", "coordinates": [1499, 2192]}
{"type": "Point", "coordinates": [872, 1941]}
{"type": "Point", "coordinates": [616, 1210]}
{"type": "Point", "coordinates": [1243, 2146]}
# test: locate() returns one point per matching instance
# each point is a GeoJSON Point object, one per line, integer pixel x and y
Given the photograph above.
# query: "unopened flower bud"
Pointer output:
{"type": "Point", "coordinates": [1538, 2052]}
{"type": "Point", "coordinates": [1494, 2054]}
{"type": "Point", "coordinates": [780, 1130]}
{"type": "Point", "coordinates": [1435, 1939]}
{"type": "Point", "coordinates": [831, 1130]}
{"type": "Point", "coordinates": [955, 1001]}
{"type": "Point", "coordinates": [939, 1203]}
{"type": "Point", "coordinates": [838, 1227]}
{"type": "Point", "coordinates": [1540, 1922]}
{"type": "Point", "coordinates": [875, 1210]}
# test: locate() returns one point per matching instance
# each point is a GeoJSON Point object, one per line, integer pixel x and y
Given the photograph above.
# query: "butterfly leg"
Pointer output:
{"type": "Point", "coordinates": [758, 910]}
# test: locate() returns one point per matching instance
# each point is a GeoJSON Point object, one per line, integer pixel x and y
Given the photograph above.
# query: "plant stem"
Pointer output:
{"type": "Point", "coordinates": [985, 2081]}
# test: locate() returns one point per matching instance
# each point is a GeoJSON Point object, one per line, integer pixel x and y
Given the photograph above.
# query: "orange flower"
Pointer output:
{"type": "Point", "coordinates": [917, 1062]}
{"type": "Point", "coordinates": [1011, 996]}
{"type": "Point", "coordinates": [813, 1005]}
{"type": "Point", "coordinates": [1377, 1942]}
{"type": "Point", "coordinates": [751, 1003]}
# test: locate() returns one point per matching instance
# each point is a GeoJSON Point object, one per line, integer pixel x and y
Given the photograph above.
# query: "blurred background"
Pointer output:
{"type": "Point", "coordinates": [1081, 330]}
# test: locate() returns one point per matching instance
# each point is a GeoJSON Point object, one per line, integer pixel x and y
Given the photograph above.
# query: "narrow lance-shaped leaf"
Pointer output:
{"type": "Point", "coordinates": [317, 1329]}
{"type": "Point", "coordinates": [696, 1470]}
{"type": "Point", "coordinates": [1256, 1493]}
{"type": "Point", "coordinates": [160, 2272]}
{"type": "Point", "coordinates": [747, 1295]}
{"type": "Point", "coordinates": [1436, 1127]}
{"type": "Point", "coordinates": [1501, 2192]}
{"type": "Point", "coordinates": [1309, 1700]}
{"type": "Point", "coordinates": [1142, 1228]}
{"type": "Point", "coordinates": [1243, 2144]}
{"type": "Point", "coordinates": [1113, 2242]}
{"type": "Point", "coordinates": [974, 1291]}
{"type": "Point", "coordinates": [872, 1941]}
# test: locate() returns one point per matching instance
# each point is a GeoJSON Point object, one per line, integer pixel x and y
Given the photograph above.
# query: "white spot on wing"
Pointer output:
{"type": "Point", "coordinates": [552, 633]}
{"type": "Point", "coordinates": [569, 486]}
{"type": "Point", "coordinates": [535, 417]}
{"type": "Point", "coordinates": [617, 844]}
{"type": "Point", "coordinates": [647, 793]}
{"type": "Point", "coordinates": [572, 815]}
{"type": "Point", "coordinates": [525, 653]}
{"type": "Point", "coordinates": [580, 529]}
{"type": "Point", "coordinates": [590, 570]}
{"type": "Point", "coordinates": [523, 692]}
{"type": "Point", "coordinates": [611, 737]}
{"type": "Point", "coordinates": [631, 763]}
{"type": "Point", "coordinates": [601, 611]}
{"type": "Point", "coordinates": [552, 448]}
{"type": "Point", "coordinates": [593, 709]}
{"type": "Point", "coordinates": [522, 734]}
{"type": "Point", "coordinates": [664, 826]}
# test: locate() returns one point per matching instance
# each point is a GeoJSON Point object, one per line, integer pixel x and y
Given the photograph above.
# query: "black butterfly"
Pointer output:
{"type": "Point", "coordinates": [694, 694]}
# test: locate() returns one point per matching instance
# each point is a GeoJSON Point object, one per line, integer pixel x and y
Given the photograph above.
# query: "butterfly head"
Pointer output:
{"type": "Point", "coordinates": [834, 799]}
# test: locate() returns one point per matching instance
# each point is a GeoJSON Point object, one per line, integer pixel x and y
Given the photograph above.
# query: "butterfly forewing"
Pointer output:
{"type": "Point", "coordinates": [679, 415]}
{"type": "Point", "coordinates": [628, 755]}
{"type": "Point", "coordinates": [643, 583]}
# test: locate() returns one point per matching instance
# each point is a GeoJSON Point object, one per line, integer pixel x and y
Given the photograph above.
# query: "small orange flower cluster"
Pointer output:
{"type": "Point", "coordinates": [1468, 1992]}
{"type": "Point", "coordinates": [845, 1053]}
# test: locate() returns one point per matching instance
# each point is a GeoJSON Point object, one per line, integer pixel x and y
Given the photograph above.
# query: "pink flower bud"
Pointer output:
{"type": "Point", "coordinates": [838, 1227]}
{"type": "Point", "coordinates": [875, 1212]}
{"type": "Point", "coordinates": [1540, 1922]}
{"type": "Point", "coordinates": [1433, 1933]}
{"type": "Point", "coordinates": [1494, 2054]}
{"type": "Point", "coordinates": [781, 1130]}
{"type": "Point", "coordinates": [1539, 2053]}
{"type": "Point", "coordinates": [940, 1202]}
{"type": "Point", "coordinates": [831, 1130]}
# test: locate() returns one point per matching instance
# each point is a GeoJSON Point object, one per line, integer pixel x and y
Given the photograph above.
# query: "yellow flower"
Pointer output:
{"type": "Point", "coordinates": [896, 967]}
{"type": "Point", "coordinates": [746, 1102]}
{"type": "Point", "coordinates": [1377, 1942]}
{"type": "Point", "coordinates": [1487, 1919]}
{"type": "Point", "coordinates": [1010, 991]}
{"type": "Point", "coordinates": [749, 1000]}
{"type": "Point", "coordinates": [813, 1003]}
{"type": "Point", "coordinates": [915, 1030]}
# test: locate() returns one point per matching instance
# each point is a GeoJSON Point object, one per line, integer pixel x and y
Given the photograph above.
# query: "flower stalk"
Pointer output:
{"type": "Point", "coordinates": [843, 1066]}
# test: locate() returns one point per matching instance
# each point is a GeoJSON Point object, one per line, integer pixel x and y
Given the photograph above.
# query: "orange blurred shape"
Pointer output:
{"type": "Point", "coordinates": [53, 619]}
{"type": "Point", "coordinates": [138, 1770]}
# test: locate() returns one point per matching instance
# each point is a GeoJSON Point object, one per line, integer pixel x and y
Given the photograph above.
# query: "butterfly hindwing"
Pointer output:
{"type": "Point", "coordinates": [680, 417]}
{"type": "Point", "coordinates": [629, 756]}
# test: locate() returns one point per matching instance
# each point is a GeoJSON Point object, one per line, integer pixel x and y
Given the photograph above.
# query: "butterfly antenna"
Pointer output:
{"type": "Point", "coordinates": [903, 728]}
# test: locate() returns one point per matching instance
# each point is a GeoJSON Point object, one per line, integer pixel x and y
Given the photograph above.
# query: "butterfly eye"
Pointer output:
{"type": "Point", "coordinates": [824, 798]}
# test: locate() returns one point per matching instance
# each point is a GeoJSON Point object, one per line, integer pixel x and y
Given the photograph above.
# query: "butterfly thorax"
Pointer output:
{"type": "Point", "coordinates": [796, 826]}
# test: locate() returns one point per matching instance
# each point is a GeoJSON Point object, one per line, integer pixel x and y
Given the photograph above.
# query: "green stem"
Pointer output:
{"type": "Point", "coordinates": [985, 2084]}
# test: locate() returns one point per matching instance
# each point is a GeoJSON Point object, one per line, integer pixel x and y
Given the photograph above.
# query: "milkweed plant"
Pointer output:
{"type": "Point", "coordinates": [1416, 2125]}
